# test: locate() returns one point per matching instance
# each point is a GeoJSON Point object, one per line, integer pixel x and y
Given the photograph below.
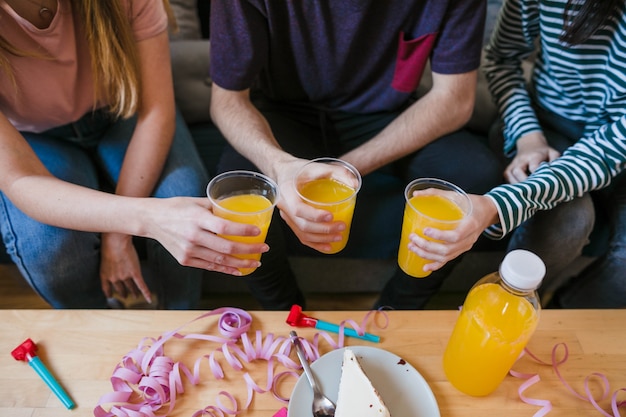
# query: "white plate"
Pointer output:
{"type": "Point", "coordinates": [402, 388]}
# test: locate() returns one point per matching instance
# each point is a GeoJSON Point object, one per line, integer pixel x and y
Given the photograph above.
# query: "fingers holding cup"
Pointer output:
{"type": "Point", "coordinates": [430, 202]}
{"type": "Point", "coordinates": [330, 184]}
{"type": "Point", "coordinates": [244, 197]}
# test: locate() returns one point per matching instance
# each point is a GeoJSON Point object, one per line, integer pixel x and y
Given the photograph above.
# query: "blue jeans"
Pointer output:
{"type": "Point", "coordinates": [62, 265]}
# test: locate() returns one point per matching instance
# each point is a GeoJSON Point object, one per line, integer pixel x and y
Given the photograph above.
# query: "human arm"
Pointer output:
{"type": "Point", "coordinates": [448, 104]}
{"type": "Point", "coordinates": [593, 160]}
{"type": "Point", "coordinates": [143, 162]}
{"type": "Point", "coordinates": [185, 226]}
{"type": "Point", "coordinates": [445, 245]}
{"type": "Point", "coordinates": [588, 165]}
{"type": "Point", "coordinates": [445, 108]}
{"type": "Point", "coordinates": [512, 42]}
{"type": "Point", "coordinates": [250, 134]}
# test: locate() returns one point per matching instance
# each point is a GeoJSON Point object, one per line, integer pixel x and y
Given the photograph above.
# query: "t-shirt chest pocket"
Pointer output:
{"type": "Point", "coordinates": [411, 60]}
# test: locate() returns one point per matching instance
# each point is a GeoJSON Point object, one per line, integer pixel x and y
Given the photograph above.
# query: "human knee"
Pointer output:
{"type": "Point", "coordinates": [575, 219]}
{"type": "Point", "coordinates": [64, 270]}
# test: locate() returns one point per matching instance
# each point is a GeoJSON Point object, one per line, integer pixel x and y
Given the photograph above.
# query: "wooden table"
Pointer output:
{"type": "Point", "coordinates": [82, 349]}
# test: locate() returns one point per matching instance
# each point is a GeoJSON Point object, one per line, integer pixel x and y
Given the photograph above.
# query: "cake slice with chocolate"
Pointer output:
{"type": "Point", "coordinates": [357, 396]}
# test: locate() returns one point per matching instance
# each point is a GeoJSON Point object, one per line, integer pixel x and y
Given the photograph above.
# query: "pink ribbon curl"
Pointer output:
{"type": "Point", "coordinates": [147, 382]}
{"type": "Point", "coordinates": [546, 405]}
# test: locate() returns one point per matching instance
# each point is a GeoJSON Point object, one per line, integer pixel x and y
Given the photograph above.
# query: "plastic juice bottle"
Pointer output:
{"type": "Point", "coordinates": [335, 197]}
{"type": "Point", "coordinates": [421, 212]}
{"type": "Point", "coordinates": [249, 209]}
{"type": "Point", "coordinates": [499, 316]}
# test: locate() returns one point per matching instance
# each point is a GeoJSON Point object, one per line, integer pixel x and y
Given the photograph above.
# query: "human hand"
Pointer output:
{"type": "Point", "coordinates": [314, 227]}
{"type": "Point", "coordinates": [532, 150]}
{"type": "Point", "coordinates": [190, 231]}
{"type": "Point", "coordinates": [446, 245]}
{"type": "Point", "coordinates": [120, 270]}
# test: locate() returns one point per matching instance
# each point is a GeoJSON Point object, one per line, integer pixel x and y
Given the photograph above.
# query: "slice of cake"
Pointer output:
{"type": "Point", "coordinates": [357, 396]}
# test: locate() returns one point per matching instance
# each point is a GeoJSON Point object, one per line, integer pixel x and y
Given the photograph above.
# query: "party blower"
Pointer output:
{"type": "Point", "coordinates": [26, 352]}
{"type": "Point", "coordinates": [297, 318]}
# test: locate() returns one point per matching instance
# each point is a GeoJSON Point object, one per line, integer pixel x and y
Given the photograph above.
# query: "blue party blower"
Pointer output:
{"type": "Point", "coordinates": [298, 319]}
{"type": "Point", "coordinates": [27, 352]}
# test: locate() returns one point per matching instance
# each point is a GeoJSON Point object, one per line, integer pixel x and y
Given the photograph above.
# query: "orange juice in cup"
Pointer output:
{"type": "Point", "coordinates": [330, 184]}
{"type": "Point", "coordinates": [244, 197]}
{"type": "Point", "coordinates": [443, 206]}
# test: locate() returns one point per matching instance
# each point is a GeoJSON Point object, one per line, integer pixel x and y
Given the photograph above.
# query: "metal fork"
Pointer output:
{"type": "Point", "coordinates": [322, 406]}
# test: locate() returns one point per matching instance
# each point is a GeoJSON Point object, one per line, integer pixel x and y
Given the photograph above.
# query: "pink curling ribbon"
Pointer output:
{"type": "Point", "coordinates": [146, 381]}
{"type": "Point", "coordinates": [546, 405]}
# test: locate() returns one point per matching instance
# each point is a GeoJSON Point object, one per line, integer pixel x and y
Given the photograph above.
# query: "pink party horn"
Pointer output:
{"type": "Point", "coordinates": [26, 352]}
{"type": "Point", "coordinates": [297, 318]}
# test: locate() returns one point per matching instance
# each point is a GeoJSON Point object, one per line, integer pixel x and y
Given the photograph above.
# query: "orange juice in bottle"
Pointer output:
{"type": "Point", "coordinates": [498, 318]}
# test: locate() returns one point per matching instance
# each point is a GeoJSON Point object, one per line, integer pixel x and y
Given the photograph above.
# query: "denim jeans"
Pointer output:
{"type": "Point", "coordinates": [62, 265]}
{"type": "Point", "coordinates": [304, 131]}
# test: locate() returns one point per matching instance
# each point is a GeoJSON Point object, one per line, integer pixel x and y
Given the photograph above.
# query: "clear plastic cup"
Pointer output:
{"type": "Point", "coordinates": [244, 197]}
{"type": "Point", "coordinates": [330, 184]}
{"type": "Point", "coordinates": [437, 204]}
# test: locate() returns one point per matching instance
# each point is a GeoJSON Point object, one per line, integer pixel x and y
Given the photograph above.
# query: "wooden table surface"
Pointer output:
{"type": "Point", "coordinates": [82, 347]}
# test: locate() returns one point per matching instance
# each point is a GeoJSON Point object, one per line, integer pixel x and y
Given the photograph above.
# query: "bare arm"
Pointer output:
{"type": "Point", "coordinates": [185, 226]}
{"type": "Point", "coordinates": [152, 138]}
{"type": "Point", "coordinates": [154, 131]}
{"type": "Point", "coordinates": [250, 134]}
{"type": "Point", "coordinates": [247, 130]}
{"type": "Point", "coordinates": [444, 109]}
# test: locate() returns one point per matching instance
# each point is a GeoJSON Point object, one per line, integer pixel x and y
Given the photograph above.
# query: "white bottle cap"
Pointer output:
{"type": "Point", "coordinates": [522, 270]}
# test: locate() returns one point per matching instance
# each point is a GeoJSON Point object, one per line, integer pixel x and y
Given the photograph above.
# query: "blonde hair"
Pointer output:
{"type": "Point", "coordinates": [112, 47]}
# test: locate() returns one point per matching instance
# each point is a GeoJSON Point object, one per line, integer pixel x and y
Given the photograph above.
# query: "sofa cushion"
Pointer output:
{"type": "Point", "coordinates": [186, 13]}
{"type": "Point", "coordinates": [192, 84]}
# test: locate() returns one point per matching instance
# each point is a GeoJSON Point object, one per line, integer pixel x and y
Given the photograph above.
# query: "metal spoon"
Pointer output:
{"type": "Point", "coordinates": [322, 406]}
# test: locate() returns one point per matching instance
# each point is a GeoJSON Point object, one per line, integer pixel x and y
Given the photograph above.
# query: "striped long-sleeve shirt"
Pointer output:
{"type": "Point", "coordinates": [584, 83]}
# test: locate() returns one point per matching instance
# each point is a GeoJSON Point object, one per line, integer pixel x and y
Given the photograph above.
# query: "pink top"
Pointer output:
{"type": "Point", "coordinates": [54, 92]}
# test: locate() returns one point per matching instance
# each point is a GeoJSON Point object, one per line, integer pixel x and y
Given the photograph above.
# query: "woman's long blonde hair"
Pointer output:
{"type": "Point", "coordinates": [113, 50]}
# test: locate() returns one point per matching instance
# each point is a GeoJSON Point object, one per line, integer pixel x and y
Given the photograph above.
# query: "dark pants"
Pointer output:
{"type": "Point", "coordinates": [460, 157]}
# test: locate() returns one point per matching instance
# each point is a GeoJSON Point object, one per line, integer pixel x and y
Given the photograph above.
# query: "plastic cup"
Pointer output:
{"type": "Point", "coordinates": [244, 197]}
{"type": "Point", "coordinates": [442, 205]}
{"type": "Point", "coordinates": [330, 184]}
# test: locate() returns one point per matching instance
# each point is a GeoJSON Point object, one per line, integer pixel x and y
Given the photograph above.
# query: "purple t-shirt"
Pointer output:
{"type": "Point", "coordinates": [358, 56]}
